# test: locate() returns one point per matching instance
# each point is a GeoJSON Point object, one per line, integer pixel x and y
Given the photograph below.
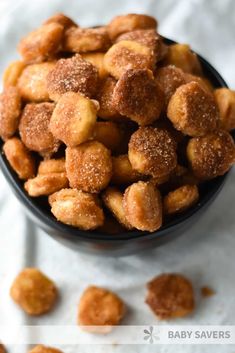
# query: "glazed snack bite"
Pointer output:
{"type": "Point", "coordinates": [192, 110]}
{"type": "Point", "coordinates": [152, 151]}
{"type": "Point", "coordinates": [99, 310]}
{"type": "Point", "coordinates": [211, 155]}
{"type": "Point", "coordinates": [73, 119]}
{"type": "Point", "coordinates": [72, 75]}
{"type": "Point", "coordinates": [89, 166]}
{"type": "Point", "coordinates": [143, 206]}
{"type": "Point", "coordinates": [44, 349]}
{"type": "Point", "coordinates": [12, 73]}
{"type": "Point", "coordinates": [180, 199]}
{"type": "Point", "coordinates": [123, 173]}
{"type": "Point", "coordinates": [35, 293]}
{"type": "Point", "coordinates": [109, 134]}
{"type": "Point", "coordinates": [34, 128]}
{"type": "Point", "coordinates": [170, 296]}
{"type": "Point", "coordinates": [225, 99]}
{"type": "Point", "coordinates": [180, 55]}
{"type": "Point", "coordinates": [77, 208]}
{"type": "Point", "coordinates": [19, 158]}
{"type": "Point", "coordinates": [10, 105]}
{"type": "Point", "coordinates": [137, 96]}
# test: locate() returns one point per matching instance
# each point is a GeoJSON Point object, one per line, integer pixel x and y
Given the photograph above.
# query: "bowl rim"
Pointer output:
{"type": "Point", "coordinates": [95, 235]}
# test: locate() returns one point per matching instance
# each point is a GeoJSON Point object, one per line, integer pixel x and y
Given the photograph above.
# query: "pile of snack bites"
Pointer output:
{"type": "Point", "coordinates": [111, 120]}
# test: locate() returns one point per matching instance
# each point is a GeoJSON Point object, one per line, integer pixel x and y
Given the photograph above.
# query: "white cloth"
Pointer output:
{"type": "Point", "coordinates": [205, 253]}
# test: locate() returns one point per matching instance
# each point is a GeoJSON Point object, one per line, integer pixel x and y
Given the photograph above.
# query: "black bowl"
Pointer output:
{"type": "Point", "coordinates": [123, 243]}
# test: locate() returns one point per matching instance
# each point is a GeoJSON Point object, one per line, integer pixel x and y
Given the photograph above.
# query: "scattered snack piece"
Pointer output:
{"type": "Point", "coordinates": [127, 55]}
{"type": "Point", "coordinates": [10, 105]}
{"type": "Point", "coordinates": [137, 96]}
{"type": "Point", "coordinates": [123, 173]}
{"type": "Point", "coordinates": [62, 19]}
{"type": "Point", "coordinates": [72, 75]}
{"type": "Point", "coordinates": [43, 349]}
{"type": "Point", "coordinates": [19, 158]}
{"type": "Point", "coordinates": [2, 348]}
{"type": "Point", "coordinates": [105, 98]}
{"type": "Point", "coordinates": [207, 292]}
{"type": "Point", "coordinates": [113, 200]}
{"type": "Point", "coordinates": [35, 293]}
{"type": "Point", "coordinates": [225, 99]}
{"type": "Point", "coordinates": [99, 310]}
{"type": "Point", "coordinates": [32, 82]}
{"type": "Point", "coordinates": [12, 73]}
{"type": "Point", "coordinates": [52, 166]}
{"type": "Point", "coordinates": [180, 55]}
{"type": "Point", "coordinates": [152, 151]}
{"type": "Point", "coordinates": [97, 59]}
{"type": "Point", "coordinates": [46, 184]}
{"type": "Point", "coordinates": [89, 166]}
{"type": "Point", "coordinates": [77, 208]}
{"type": "Point", "coordinates": [211, 155]}
{"type": "Point", "coordinates": [143, 206]}
{"type": "Point", "coordinates": [193, 111]}
{"type": "Point", "coordinates": [180, 199]}
{"type": "Point", "coordinates": [109, 134]}
{"type": "Point", "coordinates": [41, 44]}
{"type": "Point", "coordinates": [34, 128]}
{"type": "Point", "coordinates": [127, 23]}
{"type": "Point", "coordinates": [83, 40]}
{"type": "Point", "coordinates": [73, 119]}
{"type": "Point", "coordinates": [170, 296]}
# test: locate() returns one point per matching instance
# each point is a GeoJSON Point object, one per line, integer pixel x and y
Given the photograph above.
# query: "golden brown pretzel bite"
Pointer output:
{"type": "Point", "coordinates": [77, 208]}
{"type": "Point", "coordinates": [126, 55]}
{"type": "Point", "coordinates": [109, 134]}
{"type": "Point", "coordinates": [83, 40]}
{"type": "Point", "coordinates": [181, 56]}
{"type": "Point", "coordinates": [46, 184]}
{"type": "Point", "coordinates": [152, 151]}
{"type": "Point", "coordinates": [32, 82]}
{"type": "Point", "coordinates": [12, 73]}
{"type": "Point", "coordinates": [73, 119]}
{"type": "Point", "coordinates": [202, 81]}
{"type": "Point", "coordinates": [105, 98]}
{"type": "Point", "coordinates": [225, 99]}
{"type": "Point", "coordinates": [19, 158]}
{"type": "Point", "coordinates": [52, 166]}
{"type": "Point", "coordinates": [89, 166]}
{"type": "Point", "coordinates": [192, 110]}
{"type": "Point", "coordinates": [63, 20]}
{"type": "Point", "coordinates": [34, 128]}
{"type": "Point", "coordinates": [44, 349]}
{"type": "Point", "coordinates": [10, 105]}
{"type": "Point", "coordinates": [42, 43]}
{"type": "Point", "coordinates": [143, 206]}
{"type": "Point", "coordinates": [211, 155]}
{"type": "Point", "coordinates": [97, 59]}
{"type": "Point", "coordinates": [113, 200]}
{"type": "Point", "coordinates": [130, 22]}
{"type": "Point", "coordinates": [123, 173]}
{"type": "Point", "coordinates": [100, 307]}
{"type": "Point", "coordinates": [72, 75]}
{"type": "Point", "coordinates": [170, 295]}
{"type": "Point", "coordinates": [137, 96]}
{"type": "Point", "coordinates": [180, 199]}
{"type": "Point", "coordinates": [35, 293]}
{"type": "Point", "coordinates": [2, 348]}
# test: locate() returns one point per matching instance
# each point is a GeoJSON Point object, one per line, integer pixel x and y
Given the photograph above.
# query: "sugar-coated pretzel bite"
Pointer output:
{"type": "Point", "coordinates": [12, 73]}
{"type": "Point", "coordinates": [113, 200]}
{"type": "Point", "coordinates": [170, 295]}
{"type": "Point", "coordinates": [225, 99]}
{"type": "Point", "coordinates": [123, 173]}
{"type": "Point", "coordinates": [211, 155]}
{"type": "Point", "coordinates": [52, 166]}
{"type": "Point", "coordinates": [10, 108]}
{"type": "Point", "coordinates": [109, 134]}
{"type": "Point", "coordinates": [105, 98]}
{"type": "Point", "coordinates": [34, 128]}
{"type": "Point", "coordinates": [180, 199]}
{"type": "Point", "coordinates": [88, 166]}
{"type": "Point", "coordinates": [73, 119]}
{"type": "Point", "coordinates": [46, 184]}
{"type": "Point", "coordinates": [143, 206]}
{"type": "Point", "coordinates": [202, 81]}
{"type": "Point", "coordinates": [77, 208]}
{"type": "Point", "coordinates": [97, 59]}
{"type": "Point", "coordinates": [72, 75]}
{"type": "Point", "coordinates": [127, 23]}
{"type": "Point", "coordinates": [137, 96]}
{"type": "Point", "coordinates": [62, 19]}
{"type": "Point", "coordinates": [19, 158]}
{"type": "Point", "coordinates": [99, 307]}
{"type": "Point", "coordinates": [181, 56]}
{"type": "Point", "coordinates": [32, 82]}
{"type": "Point", "coordinates": [41, 44]}
{"type": "Point", "coordinates": [192, 110]}
{"type": "Point", "coordinates": [126, 55]}
{"type": "Point", "coordinates": [35, 293]}
{"type": "Point", "coordinates": [83, 40]}
{"type": "Point", "coordinates": [44, 349]}
{"type": "Point", "coordinates": [152, 151]}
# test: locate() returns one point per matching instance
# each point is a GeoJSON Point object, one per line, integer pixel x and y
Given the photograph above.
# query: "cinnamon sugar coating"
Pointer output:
{"type": "Point", "coordinates": [181, 56]}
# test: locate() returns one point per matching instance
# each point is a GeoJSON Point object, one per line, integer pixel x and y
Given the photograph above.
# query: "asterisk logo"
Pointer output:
{"type": "Point", "coordinates": [150, 336]}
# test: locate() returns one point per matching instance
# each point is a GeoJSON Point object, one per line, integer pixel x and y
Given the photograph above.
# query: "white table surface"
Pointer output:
{"type": "Point", "coordinates": [205, 253]}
